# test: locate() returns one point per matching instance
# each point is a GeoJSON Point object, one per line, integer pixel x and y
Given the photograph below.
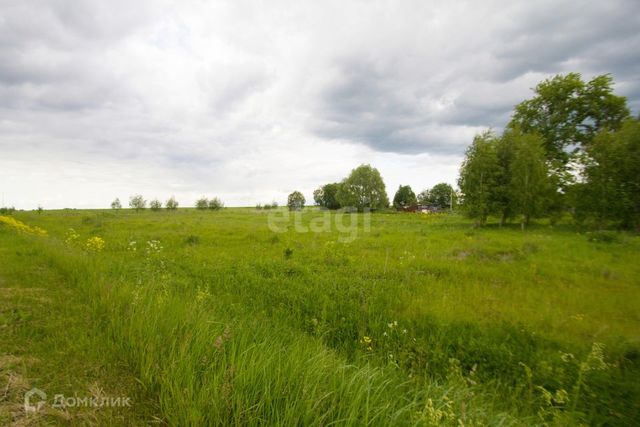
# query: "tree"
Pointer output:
{"type": "Point", "coordinates": [325, 196]}
{"type": "Point", "coordinates": [567, 113]}
{"type": "Point", "coordinates": [423, 197]}
{"type": "Point", "coordinates": [171, 204]}
{"type": "Point", "coordinates": [116, 205]}
{"type": "Point", "coordinates": [202, 203]}
{"type": "Point", "coordinates": [529, 185]}
{"type": "Point", "coordinates": [215, 204]}
{"type": "Point", "coordinates": [295, 201]}
{"type": "Point", "coordinates": [137, 202]}
{"type": "Point", "coordinates": [478, 177]}
{"type": "Point", "coordinates": [364, 188]}
{"type": "Point", "coordinates": [441, 195]}
{"type": "Point", "coordinates": [155, 205]}
{"type": "Point", "coordinates": [404, 197]}
{"type": "Point", "coordinates": [611, 191]}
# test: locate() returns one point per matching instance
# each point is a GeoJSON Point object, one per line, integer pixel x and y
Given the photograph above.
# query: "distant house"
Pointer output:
{"type": "Point", "coordinates": [421, 209]}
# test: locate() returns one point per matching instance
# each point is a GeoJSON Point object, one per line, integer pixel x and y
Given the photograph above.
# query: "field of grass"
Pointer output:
{"type": "Point", "coordinates": [212, 318]}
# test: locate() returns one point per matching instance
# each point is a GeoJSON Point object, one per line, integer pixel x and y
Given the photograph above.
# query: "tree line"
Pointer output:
{"type": "Point", "coordinates": [572, 148]}
{"type": "Point", "coordinates": [139, 203]}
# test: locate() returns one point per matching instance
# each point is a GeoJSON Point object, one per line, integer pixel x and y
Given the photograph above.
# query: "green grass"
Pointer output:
{"type": "Point", "coordinates": [227, 322]}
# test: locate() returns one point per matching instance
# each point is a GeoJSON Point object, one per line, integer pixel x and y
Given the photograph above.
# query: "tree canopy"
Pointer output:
{"type": "Point", "coordinates": [404, 197]}
{"type": "Point", "coordinates": [363, 188]}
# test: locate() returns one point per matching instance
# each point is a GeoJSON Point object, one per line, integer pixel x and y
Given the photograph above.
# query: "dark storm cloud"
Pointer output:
{"type": "Point", "coordinates": [250, 97]}
{"type": "Point", "coordinates": [378, 105]}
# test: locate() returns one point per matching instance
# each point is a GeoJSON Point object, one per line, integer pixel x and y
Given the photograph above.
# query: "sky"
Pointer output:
{"type": "Point", "coordinates": [251, 100]}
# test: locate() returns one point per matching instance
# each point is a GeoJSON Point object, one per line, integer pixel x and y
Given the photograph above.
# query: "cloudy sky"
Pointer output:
{"type": "Point", "coordinates": [249, 100]}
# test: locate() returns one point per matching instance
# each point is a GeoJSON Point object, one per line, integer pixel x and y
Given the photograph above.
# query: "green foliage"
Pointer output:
{"type": "Point", "coordinates": [116, 205]}
{"type": "Point", "coordinates": [567, 112]}
{"type": "Point", "coordinates": [202, 203]}
{"type": "Point", "coordinates": [171, 204]}
{"type": "Point", "coordinates": [423, 197]}
{"type": "Point", "coordinates": [155, 205]}
{"type": "Point", "coordinates": [404, 197]}
{"type": "Point", "coordinates": [137, 202]}
{"type": "Point", "coordinates": [363, 188]}
{"type": "Point", "coordinates": [4, 210]}
{"type": "Point", "coordinates": [325, 196]}
{"type": "Point", "coordinates": [611, 191]}
{"type": "Point", "coordinates": [215, 204]}
{"type": "Point", "coordinates": [479, 177]}
{"type": "Point", "coordinates": [295, 201]}
{"type": "Point", "coordinates": [442, 195]}
{"type": "Point", "coordinates": [529, 187]}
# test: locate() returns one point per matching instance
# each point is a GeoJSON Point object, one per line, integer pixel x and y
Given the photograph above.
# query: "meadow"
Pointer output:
{"type": "Point", "coordinates": [214, 318]}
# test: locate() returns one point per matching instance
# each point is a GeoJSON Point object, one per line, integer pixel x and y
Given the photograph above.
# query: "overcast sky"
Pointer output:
{"type": "Point", "coordinates": [249, 100]}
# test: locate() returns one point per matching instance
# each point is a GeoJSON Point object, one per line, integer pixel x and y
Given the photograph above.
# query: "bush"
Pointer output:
{"type": "Point", "coordinates": [155, 205]}
{"type": "Point", "coordinates": [172, 204]}
{"type": "Point", "coordinates": [116, 204]}
{"type": "Point", "coordinates": [6, 210]}
{"type": "Point", "coordinates": [215, 204]}
{"type": "Point", "coordinates": [137, 202]}
{"type": "Point", "coordinates": [202, 203]}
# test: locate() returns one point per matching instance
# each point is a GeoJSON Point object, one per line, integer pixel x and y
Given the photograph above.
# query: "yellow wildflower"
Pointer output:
{"type": "Point", "coordinates": [22, 227]}
{"type": "Point", "coordinates": [95, 244]}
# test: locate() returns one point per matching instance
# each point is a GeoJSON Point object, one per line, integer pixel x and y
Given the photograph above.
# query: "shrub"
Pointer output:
{"type": "Point", "coordinates": [215, 204]}
{"type": "Point", "coordinates": [172, 204]}
{"type": "Point", "coordinates": [137, 202]}
{"type": "Point", "coordinates": [116, 204]}
{"type": "Point", "coordinates": [202, 203]}
{"type": "Point", "coordinates": [7, 211]}
{"type": "Point", "coordinates": [155, 205]}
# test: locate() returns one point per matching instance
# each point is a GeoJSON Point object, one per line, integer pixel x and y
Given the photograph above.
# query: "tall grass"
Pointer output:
{"type": "Point", "coordinates": [241, 326]}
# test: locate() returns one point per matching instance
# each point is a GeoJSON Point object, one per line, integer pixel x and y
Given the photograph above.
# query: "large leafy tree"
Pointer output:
{"type": "Point", "coordinates": [479, 177]}
{"type": "Point", "coordinates": [404, 197]}
{"type": "Point", "coordinates": [528, 185]}
{"type": "Point", "coordinates": [363, 188]}
{"type": "Point", "coordinates": [295, 201]}
{"type": "Point", "coordinates": [325, 196]}
{"type": "Point", "coordinates": [442, 195]}
{"type": "Point", "coordinates": [611, 191]}
{"type": "Point", "coordinates": [567, 113]}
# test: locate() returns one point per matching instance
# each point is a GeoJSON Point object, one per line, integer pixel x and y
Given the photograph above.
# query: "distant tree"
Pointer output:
{"type": "Point", "coordinates": [171, 204]}
{"type": "Point", "coordinates": [529, 185]}
{"type": "Point", "coordinates": [479, 176]}
{"type": "Point", "coordinates": [39, 209]}
{"type": "Point", "coordinates": [611, 191]}
{"type": "Point", "coordinates": [274, 205]}
{"type": "Point", "coordinates": [295, 201]}
{"type": "Point", "coordinates": [404, 197]}
{"type": "Point", "coordinates": [423, 197]}
{"type": "Point", "coordinates": [363, 188]}
{"type": "Point", "coordinates": [325, 196]}
{"type": "Point", "coordinates": [155, 205]}
{"type": "Point", "coordinates": [215, 204]}
{"type": "Point", "coordinates": [442, 196]}
{"type": "Point", "coordinates": [116, 205]}
{"type": "Point", "coordinates": [137, 202]}
{"type": "Point", "coordinates": [202, 203]}
{"type": "Point", "coordinates": [567, 113]}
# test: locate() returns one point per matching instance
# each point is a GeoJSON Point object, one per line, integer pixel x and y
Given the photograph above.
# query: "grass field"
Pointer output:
{"type": "Point", "coordinates": [212, 318]}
